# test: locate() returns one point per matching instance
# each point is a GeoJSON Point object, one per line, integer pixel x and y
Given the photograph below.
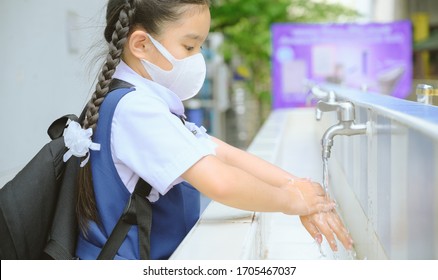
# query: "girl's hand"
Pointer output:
{"type": "Point", "coordinates": [307, 197]}
{"type": "Point", "coordinates": [330, 225]}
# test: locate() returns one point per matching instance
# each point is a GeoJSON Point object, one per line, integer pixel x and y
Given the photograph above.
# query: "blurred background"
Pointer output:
{"type": "Point", "coordinates": [52, 52]}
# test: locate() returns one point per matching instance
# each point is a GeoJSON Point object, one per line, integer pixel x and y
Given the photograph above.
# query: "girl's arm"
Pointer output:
{"type": "Point", "coordinates": [238, 188]}
{"type": "Point", "coordinates": [258, 185]}
{"type": "Point", "coordinates": [252, 164]}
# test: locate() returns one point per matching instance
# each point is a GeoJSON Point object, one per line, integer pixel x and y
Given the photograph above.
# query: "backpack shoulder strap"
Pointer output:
{"type": "Point", "coordinates": [118, 84]}
{"type": "Point", "coordinates": [138, 210]}
{"type": "Point", "coordinates": [56, 129]}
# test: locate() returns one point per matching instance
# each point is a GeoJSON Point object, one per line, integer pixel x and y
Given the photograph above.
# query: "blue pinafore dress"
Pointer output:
{"type": "Point", "coordinates": [173, 215]}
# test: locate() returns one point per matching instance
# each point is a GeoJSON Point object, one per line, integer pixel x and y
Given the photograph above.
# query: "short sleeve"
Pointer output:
{"type": "Point", "coordinates": [152, 142]}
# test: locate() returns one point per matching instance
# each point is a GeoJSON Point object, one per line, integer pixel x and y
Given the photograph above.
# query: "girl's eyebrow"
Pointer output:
{"type": "Point", "coordinates": [194, 36]}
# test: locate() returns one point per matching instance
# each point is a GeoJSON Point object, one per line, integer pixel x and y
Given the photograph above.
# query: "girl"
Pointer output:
{"type": "Point", "coordinates": [154, 46]}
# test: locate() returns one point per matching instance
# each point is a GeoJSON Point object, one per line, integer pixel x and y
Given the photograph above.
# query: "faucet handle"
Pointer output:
{"type": "Point", "coordinates": [322, 94]}
{"type": "Point", "coordinates": [318, 93]}
{"type": "Point", "coordinates": [325, 106]}
{"type": "Point", "coordinates": [345, 109]}
{"type": "Point", "coordinates": [315, 92]}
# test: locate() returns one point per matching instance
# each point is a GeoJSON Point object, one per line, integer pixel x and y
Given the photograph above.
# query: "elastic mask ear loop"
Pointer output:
{"type": "Point", "coordinates": [162, 50]}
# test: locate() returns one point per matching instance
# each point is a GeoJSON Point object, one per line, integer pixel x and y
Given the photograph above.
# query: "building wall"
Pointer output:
{"type": "Point", "coordinates": [47, 70]}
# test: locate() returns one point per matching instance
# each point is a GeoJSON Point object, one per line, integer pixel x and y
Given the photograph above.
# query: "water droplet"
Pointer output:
{"type": "Point", "coordinates": [323, 255]}
{"type": "Point", "coordinates": [352, 254]}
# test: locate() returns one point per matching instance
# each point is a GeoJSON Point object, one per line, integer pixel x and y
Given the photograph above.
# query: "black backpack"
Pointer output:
{"type": "Point", "coordinates": [37, 207]}
{"type": "Point", "coordinates": [42, 194]}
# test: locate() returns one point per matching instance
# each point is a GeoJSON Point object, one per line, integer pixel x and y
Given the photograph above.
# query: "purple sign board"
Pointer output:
{"type": "Point", "coordinates": [375, 56]}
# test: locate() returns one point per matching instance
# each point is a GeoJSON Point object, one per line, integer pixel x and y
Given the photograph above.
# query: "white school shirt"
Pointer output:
{"type": "Point", "coordinates": [148, 140]}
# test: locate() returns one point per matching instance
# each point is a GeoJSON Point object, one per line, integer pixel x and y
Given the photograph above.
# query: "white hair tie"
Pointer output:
{"type": "Point", "coordinates": [78, 141]}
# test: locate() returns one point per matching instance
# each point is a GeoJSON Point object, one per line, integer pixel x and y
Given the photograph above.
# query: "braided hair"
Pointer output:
{"type": "Point", "coordinates": [121, 17]}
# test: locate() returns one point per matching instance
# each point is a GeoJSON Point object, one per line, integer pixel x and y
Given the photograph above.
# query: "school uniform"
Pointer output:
{"type": "Point", "coordinates": [141, 135]}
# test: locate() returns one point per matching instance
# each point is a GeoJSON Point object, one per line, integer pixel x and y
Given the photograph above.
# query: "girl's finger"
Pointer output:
{"type": "Point", "coordinates": [326, 230]}
{"type": "Point", "coordinates": [311, 229]}
{"type": "Point", "coordinates": [341, 232]}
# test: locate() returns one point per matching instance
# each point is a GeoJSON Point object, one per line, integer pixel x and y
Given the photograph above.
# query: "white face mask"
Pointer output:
{"type": "Point", "coordinates": [185, 78]}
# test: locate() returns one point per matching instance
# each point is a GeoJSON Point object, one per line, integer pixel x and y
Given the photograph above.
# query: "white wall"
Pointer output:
{"type": "Point", "coordinates": [390, 10]}
{"type": "Point", "coordinates": [377, 10]}
{"type": "Point", "coordinates": [45, 62]}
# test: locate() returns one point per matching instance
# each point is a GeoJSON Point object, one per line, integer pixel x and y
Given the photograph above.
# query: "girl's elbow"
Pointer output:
{"type": "Point", "coordinates": [220, 189]}
{"type": "Point", "coordinates": [213, 178]}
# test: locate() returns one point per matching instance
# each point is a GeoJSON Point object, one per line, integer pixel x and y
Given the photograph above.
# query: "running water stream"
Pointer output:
{"type": "Point", "coordinates": [325, 182]}
{"type": "Point", "coordinates": [325, 176]}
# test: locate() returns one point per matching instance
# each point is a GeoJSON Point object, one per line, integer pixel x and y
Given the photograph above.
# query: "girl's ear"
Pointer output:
{"type": "Point", "coordinates": [139, 44]}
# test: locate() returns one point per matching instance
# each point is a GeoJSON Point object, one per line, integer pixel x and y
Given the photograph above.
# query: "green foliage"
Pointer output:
{"type": "Point", "coordinates": [246, 25]}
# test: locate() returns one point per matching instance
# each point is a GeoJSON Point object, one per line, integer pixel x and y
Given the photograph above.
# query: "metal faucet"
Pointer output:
{"type": "Point", "coordinates": [345, 126]}
{"type": "Point", "coordinates": [327, 99]}
{"type": "Point", "coordinates": [317, 93]}
{"type": "Point", "coordinates": [425, 93]}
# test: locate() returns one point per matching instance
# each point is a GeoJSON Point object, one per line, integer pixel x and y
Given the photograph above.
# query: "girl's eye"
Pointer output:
{"type": "Point", "coordinates": [189, 48]}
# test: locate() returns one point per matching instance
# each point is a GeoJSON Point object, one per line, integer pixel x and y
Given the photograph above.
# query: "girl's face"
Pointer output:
{"type": "Point", "coordinates": [184, 37]}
